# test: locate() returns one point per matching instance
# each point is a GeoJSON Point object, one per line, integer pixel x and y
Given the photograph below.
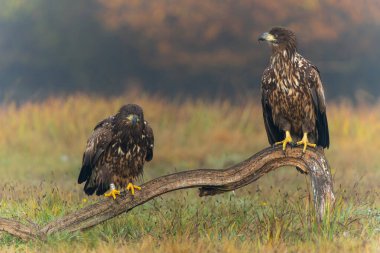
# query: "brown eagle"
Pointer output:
{"type": "Point", "coordinates": [116, 152]}
{"type": "Point", "coordinates": [293, 99]}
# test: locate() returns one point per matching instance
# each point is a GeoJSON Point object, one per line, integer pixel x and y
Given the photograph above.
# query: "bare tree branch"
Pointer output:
{"type": "Point", "coordinates": [210, 181]}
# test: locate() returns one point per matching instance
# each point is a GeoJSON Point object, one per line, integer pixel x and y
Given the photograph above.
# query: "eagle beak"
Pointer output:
{"type": "Point", "coordinates": [267, 37]}
{"type": "Point", "coordinates": [133, 118]}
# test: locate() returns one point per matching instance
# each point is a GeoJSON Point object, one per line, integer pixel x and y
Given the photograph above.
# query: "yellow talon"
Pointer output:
{"type": "Point", "coordinates": [112, 193]}
{"type": "Point", "coordinates": [305, 142]}
{"type": "Point", "coordinates": [131, 187]}
{"type": "Point", "coordinates": [288, 139]}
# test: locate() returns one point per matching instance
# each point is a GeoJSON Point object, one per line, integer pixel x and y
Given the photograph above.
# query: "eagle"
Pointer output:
{"type": "Point", "coordinates": [116, 152]}
{"type": "Point", "coordinates": [293, 99]}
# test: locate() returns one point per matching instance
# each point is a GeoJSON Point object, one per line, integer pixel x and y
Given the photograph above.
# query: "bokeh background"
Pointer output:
{"type": "Point", "coordinates": [193, 48]}
{"type": "Point", "coordinates": [195, 68]}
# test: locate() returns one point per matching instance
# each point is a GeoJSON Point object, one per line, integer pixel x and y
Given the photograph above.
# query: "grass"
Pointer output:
{"type": "Point", "coordinates": [41, 145]}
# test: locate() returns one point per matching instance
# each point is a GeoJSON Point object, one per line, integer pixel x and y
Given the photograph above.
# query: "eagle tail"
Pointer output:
{"type": "Point", "coordinates": [85, 171]}
{"type": "Point", "coordinates": [88, 188]}
{"type": "Point", "coordinates": [91, 186]}
{"type": "Point", "coordinates": [323, 130]}
{"type": "Point", "coordinates": [102, 188]}
{"type": "Point", "coordinates": [84, 174]}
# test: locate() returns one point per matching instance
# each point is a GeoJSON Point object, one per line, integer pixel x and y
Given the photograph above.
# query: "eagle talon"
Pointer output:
{"type": "Point", "coordinates": [131, 187]}
{"type": "Point", "coordinates": [305, 142]}
{"type": "Point", "coordinates": [112, 193]}
{"type": "Point", "coordinates": [288, 139]}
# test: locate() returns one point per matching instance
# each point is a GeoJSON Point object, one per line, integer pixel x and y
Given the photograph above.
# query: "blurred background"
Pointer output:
{"type": "Point", "coordinates": [192, 48]}
{"type": "Point", "coordinates": [195, 68]}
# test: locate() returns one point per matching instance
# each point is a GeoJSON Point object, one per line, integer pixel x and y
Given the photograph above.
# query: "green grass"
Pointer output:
{"type": "Point", "coordinates": [243, 218]}
{"type": "Point", "coordinates": [41, 146]}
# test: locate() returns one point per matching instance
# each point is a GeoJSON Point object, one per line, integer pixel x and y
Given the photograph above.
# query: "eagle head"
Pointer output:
{"type": "Point", "coordinates": [280, 38]}
{"type": "Point", "coordinates": [130, 115]}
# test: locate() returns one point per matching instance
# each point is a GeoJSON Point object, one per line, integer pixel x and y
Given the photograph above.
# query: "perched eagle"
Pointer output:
{"type": "Point", "coordinates": [293, 99]}
{"type": "Point", "coordinates": [116, 152]}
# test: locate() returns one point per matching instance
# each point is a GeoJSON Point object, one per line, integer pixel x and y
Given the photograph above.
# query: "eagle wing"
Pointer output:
{"type": "Point", "coordinates": [319, 102]}
{"type": "Point", "coordinates": [150, 141]}
{"type": "Point", "coordinates": [267, 86]}
{"type": "Point", "coordinates": [96, 145]}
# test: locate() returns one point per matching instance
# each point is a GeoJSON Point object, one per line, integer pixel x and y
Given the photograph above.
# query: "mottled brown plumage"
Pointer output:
{"type": "Point", "coordinates": [292, 93]}
{"type": "Point", "coordinates": [116, 151]}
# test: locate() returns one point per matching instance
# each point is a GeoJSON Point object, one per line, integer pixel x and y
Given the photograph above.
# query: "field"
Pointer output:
{"type": "Point", "coordinates": [41, 147]}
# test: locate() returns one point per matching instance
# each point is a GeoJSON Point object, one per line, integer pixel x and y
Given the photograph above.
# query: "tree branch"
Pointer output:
{"type": "Point", "coordinates": [210, 181]}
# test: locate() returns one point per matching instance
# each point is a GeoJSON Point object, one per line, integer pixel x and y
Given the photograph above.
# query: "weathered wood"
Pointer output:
{"type": "Point", "coordinates": [18, 229]}
{"type": "Point", "coordinates": [210, 181]}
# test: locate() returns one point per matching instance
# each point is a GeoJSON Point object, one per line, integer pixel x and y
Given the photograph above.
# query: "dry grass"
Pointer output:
{"type": "Point", "coordinates": [41, 146]}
